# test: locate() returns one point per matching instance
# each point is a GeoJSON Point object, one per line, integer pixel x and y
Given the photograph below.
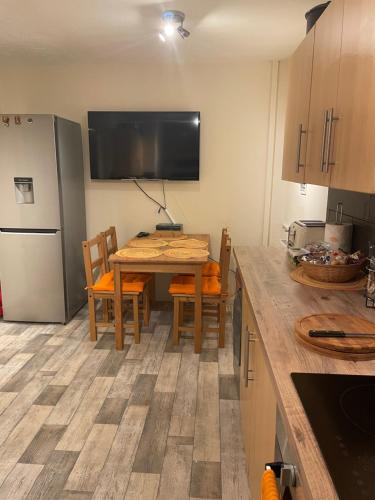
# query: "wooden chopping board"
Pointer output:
{"type": "Point", "coordinates": [351, 349]}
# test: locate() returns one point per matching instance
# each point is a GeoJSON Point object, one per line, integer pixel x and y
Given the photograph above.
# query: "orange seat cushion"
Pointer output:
{"type": "Point", "coordinates": [185, 285]}
{"type": "Point", "coordinates": [105, 283]}
{"type": "Point", "coordinates": [211, 269]}
{"type": "Point", "coordinates": [134, 282]}
{"type": "Point", "coordinates": [130, 283]}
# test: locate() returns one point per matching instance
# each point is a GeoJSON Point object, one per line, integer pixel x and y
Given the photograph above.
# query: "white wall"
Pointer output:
{"type": "Point", "coordinates": [234, 105]}
{"type": "Point", "coordinates": [235, 102]}
{"type": "Point", "coordinates": [288, 204]}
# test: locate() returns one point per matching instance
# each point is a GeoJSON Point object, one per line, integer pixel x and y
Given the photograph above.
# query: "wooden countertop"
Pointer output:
{"type": "Point", "coordinates": [277, 302]}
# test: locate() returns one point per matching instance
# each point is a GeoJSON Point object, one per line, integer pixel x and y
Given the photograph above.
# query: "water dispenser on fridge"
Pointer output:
{"type": "Point", "coordinates": [24, 190]}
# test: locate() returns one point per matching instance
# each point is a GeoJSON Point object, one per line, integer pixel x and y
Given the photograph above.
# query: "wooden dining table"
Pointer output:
{"type": "Point", "coordinates": [161, 264]}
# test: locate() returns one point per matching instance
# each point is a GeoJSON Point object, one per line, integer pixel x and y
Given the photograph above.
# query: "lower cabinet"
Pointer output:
{"type": "Point", "coordinates": [257, 402]}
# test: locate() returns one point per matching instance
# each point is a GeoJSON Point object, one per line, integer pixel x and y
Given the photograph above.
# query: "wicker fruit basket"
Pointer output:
{"type": "Point", "coordinates": [340, 273]}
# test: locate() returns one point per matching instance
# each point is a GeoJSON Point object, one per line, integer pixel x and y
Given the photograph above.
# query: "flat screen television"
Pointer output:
{"type": "Point", "coordinates": [144, 145]}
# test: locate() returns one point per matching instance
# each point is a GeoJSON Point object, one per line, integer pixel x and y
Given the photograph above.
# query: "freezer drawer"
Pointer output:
{"type": "Point", "coordinates": [31, 273]}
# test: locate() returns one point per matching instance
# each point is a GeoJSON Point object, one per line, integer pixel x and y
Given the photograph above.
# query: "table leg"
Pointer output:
{"type": "Point", "coordinates": [119, 339]}
{"type": "Point", "coordinates": [198, 310]}
{"type": "Point", "coordinates": [152, 291]}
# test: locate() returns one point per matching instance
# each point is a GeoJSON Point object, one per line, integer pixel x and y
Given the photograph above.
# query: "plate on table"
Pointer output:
{"type": "Point", "coordinates": [188, 243]}
{"type": "Point", "coordinates": [168, 236]}
{"type": "Point", "coordinates": [147, 243]}
{"type": "Point", "coordinates": [139, 253]}
{"type": "Point", "coordinates": [186, 253]}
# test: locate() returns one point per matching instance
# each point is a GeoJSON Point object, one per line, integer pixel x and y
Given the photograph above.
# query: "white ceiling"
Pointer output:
{"type": "Point", "coordinates": [55, 31]}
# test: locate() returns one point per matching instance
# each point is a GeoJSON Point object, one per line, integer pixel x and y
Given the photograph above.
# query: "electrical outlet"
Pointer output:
{"type": "Point", "coordinates": [303, 189]}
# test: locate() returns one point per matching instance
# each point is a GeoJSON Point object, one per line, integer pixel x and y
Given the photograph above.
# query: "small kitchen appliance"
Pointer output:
{"type": "Point", "coordinates": [303, 232]}
{"type": "Point", "coordinates": [169, 227]}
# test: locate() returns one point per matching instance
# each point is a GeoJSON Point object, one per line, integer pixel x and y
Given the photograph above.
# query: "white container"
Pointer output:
{"type": "Point", "coordinates": [339, 236]}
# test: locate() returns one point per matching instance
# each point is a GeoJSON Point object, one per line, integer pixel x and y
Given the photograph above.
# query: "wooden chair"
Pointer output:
{"type": "Point", "coordinates": [214, 292]}
{"type": "Point", "coordinates": [213, 268]}
{"type": "Point", "coordinates": [100, 285]}
{"type": "Point", "coordinates": [110, 247]}
{"type": "Point", "coordinates": [110, 244]}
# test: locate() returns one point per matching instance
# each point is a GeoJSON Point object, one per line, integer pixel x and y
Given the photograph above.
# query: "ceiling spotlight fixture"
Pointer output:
{"type": "Point", "coordinates": [173, 21]}
{"type": "Point", "coordinates": [183, 32]}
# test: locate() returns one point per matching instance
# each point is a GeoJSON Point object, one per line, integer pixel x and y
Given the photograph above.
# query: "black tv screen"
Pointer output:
{"type": "Point", "coordinates": [144, 145]}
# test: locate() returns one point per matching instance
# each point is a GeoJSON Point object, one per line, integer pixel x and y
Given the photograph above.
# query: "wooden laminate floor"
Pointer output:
{"type": "Point", "coordinates": [79, 420]}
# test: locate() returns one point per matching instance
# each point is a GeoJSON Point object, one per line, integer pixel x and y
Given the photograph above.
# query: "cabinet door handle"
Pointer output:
{"type": "Point", "coordinates": [246, 358]}
{"type": "Point", "coordinates": [324, 142]}
{"type": "Point", "coordinates": [299, 146]}
{"type": "Point", "coordinates": [251, 368]}
{"type": "Point", "coordinates": [331, 119]}
{"type": "Point", "coordinates": [248, 368]}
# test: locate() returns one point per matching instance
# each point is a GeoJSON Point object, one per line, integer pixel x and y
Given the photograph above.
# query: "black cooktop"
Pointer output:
{"type": "Point", "coordinates": [341, 411]}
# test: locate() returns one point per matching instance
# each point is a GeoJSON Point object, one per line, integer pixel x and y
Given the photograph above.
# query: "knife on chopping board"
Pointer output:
{"type": "Point", "coordinates": [339, 334]}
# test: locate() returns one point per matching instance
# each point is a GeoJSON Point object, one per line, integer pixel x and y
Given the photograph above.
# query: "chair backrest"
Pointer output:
{"type": "Point", "coordinates": [110, 244]}
{"type": "Point", "coordinates": [94, 259]}
{"type": "Point", "coordinates": [224, 236]}
{"type": "Point", "coordinates": [224, 264]}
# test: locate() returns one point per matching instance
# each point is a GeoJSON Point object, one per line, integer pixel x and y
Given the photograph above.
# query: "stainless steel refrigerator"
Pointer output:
{"type": "Point", "coordinates": [42, 218]}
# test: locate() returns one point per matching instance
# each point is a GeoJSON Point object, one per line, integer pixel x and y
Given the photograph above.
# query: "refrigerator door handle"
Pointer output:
{"type": "Point", "coordinates": [37, 232]}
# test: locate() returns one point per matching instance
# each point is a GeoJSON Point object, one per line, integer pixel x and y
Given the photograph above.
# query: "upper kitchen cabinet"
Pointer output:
{"type": "Point", "coordinates": [354, 136]}
{"type": "Point", "coordinates": [297, 115]}
{"type": "Point", "coordinates": [323, 104]}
